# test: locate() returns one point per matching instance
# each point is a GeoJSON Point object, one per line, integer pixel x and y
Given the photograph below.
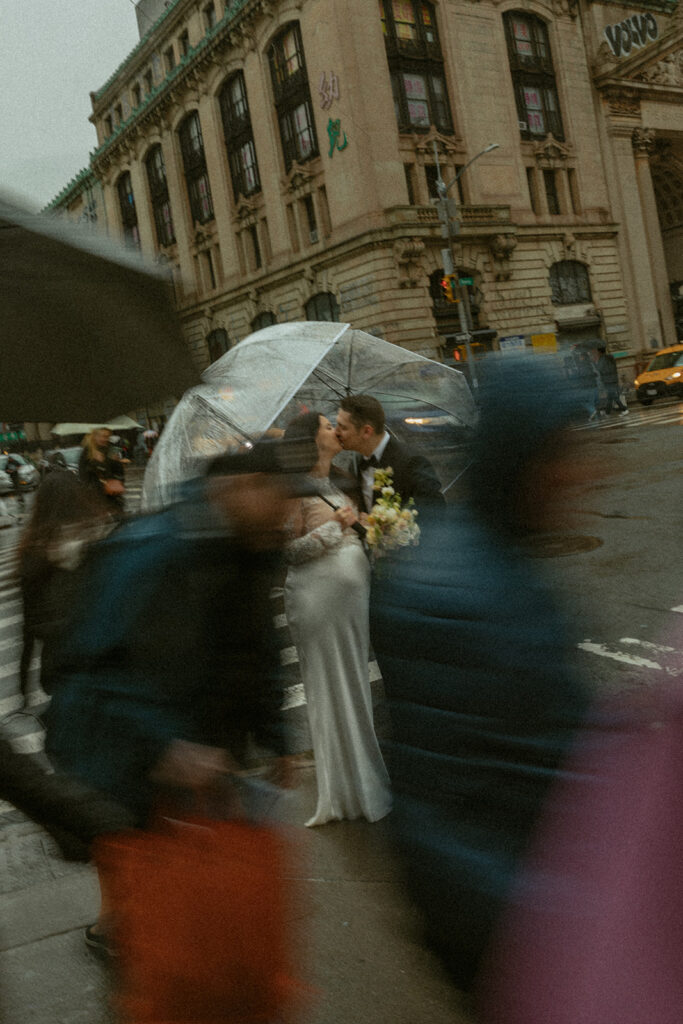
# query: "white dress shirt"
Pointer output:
{"type": "Point", "coordinates": [368, 474]}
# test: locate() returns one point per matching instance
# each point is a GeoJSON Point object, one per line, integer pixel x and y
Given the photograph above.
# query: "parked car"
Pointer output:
{"type": "Point", "coordinates": [662, 377]}
{"type": "Point", "coordinates": [418, 424]}
{"type": "Point", "coordinates": [64, 458]}
{"type": "Point", "coordinates": [27, 475]}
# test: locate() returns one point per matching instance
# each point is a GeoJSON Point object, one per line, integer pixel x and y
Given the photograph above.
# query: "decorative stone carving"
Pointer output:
{"type": "Point", "coordinates": [667, 71]}
{"type": "Point", "coordinates": [501, 248]}
{"type": "Point", "coordinates": [551, 154]}
{"type": "Point", "coordinates": [408, 254]}
{"type": "Point", "coordinates": [565, 8]}
{"type": "Point", "coordinates": [447, 145]}
{"type": "Point", "coordinates": [604, 60]}
{"type": "Point", "coordinates": [623, 101]}
{"type": "Point", "coordinates": [246, 209]}
{"type": "Point", "coordinates": [644, 140]}
{"type": "Point", "coordinates": [299, 181]}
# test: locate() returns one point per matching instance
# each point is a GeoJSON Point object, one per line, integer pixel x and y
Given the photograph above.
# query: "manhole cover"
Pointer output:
{"type": "Point", "coordinates": [554, 546]}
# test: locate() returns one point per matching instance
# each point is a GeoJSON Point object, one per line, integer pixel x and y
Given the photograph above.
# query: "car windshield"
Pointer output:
{"type": "Point", "coordinates": [17, 458]}
{"type": "Point", "coordinates": [666, 360]}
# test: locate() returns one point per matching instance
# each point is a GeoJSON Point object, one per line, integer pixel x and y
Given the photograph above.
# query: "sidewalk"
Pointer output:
{"type": "Point", "coordinates": [364, 957]}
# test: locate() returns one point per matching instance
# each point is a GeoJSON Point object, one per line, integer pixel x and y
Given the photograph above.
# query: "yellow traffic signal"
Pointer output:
{"type": "Point", "coordinates": [449, 288]}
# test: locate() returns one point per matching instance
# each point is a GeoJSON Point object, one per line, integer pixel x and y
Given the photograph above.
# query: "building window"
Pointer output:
{"type": "Point", "coordinates": [158, 190]}
{"type": "Point", "coordinates": [118, 114]}
{"type": "Point", "coordinates": [311, 222]}
{"type": "Point", "coordinates": [184, 43]}
{"type": "Point", "coordinates": [239, 139]}
{"type": "Point", "coordinates": [136, 94]}
{"type": "Point", "coordinates": [409, 171]}
{"type": "Point", "coordinates": [416, 65]}
{"type": "Point", "coordinates": [531, 184]}
{"type": "Point", "coordinates": [573, 190]}
{"type": "Point", "coordinates": [533, 76]}
{"type": "Point", "coordinates": [322, 306]}
{"type": "Point", "coordinates": [255, 258]}
{"type": "Point", "coordinates": [569, 283]}
{"type": "Point", "coordinates": [129, 217]}
{"type": "Point", "coordinates": [209, 13]}
{"type": "Point", "coordinates": [169, 59]}
{"type": "Point", "coordinates": [263, 320]}
{"type": "Point", "coordinates": [551, 194]}
{"type": "Point", "coordinates": [194, 163]}
{"type": "Point", "coordinates": [292, 96]}
{"type": "Point", "coordinates": [218, 343]}
{"type": "Point", "coordinates": [108, 126]}
{"type": "Point", "coordinates": [149, 81]}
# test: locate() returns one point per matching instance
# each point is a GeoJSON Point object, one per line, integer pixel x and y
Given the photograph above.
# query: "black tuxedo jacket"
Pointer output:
{"type": "Point", "coordinates": [413, 477]}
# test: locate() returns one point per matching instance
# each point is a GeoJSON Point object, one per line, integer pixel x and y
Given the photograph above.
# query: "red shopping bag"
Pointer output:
{"type": "Point", "coordinates": [202, 925]}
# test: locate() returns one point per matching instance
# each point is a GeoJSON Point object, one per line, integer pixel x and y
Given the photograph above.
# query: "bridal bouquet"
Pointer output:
{"type": "Point", "coordinates": [390, 523]}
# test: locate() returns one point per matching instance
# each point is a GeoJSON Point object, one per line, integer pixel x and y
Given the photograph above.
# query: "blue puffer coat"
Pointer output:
{"type": "Point", "coordinates": [484, 708]}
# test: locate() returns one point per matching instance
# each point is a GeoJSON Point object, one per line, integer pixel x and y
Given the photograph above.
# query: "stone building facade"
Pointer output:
{"type": "Point", "coordinates": [279, 158]}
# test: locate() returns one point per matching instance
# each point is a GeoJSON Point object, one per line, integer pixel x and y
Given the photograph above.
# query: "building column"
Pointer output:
{"type": "Point", "coordinates": [644, 142]}
{"type": "Point", "coordinates": [634, 245]}
{"type": "Point", "coordinates": [217, 167]}
{"type": "Point", "coordinates": [142, 211]}
{"type": "Point", "coordinates": [177, 193]}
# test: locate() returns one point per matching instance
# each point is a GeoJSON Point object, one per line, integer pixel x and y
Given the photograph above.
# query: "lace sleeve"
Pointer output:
{"type": "Point", "coordinates": [314, 544]}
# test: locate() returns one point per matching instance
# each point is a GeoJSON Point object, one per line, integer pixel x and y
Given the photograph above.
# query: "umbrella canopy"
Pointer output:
{"type": "Point", "coordinates": [120, 423]}
{"type": "Point", "coordinates": [262, 383]}
{"type": "Point", "coordinates": [86, 328]}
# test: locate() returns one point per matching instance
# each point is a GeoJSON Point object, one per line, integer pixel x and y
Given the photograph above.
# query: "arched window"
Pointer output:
{"type": "Point", "coordinates": [322, 306]}
{"type": "Point", "coordinates": [416, 65]}
{"type": "Point", "coordinates": [569, 283]}
{"type": "Point", "coordinates": [218, 343]}
{"type": "Point", "coordinates": [194, 163]}
{"type": "Point", "coordinates": [129, 217]}
{"type": "Point", "coordinates": [533, 75]}
{"type": "Point", "coordinates": [158, 190]}
{"type": "Point", "coordinates": [239, 139]}
{"type": "Point", "coordinates": [263, 320]}
{"type": "Point", "coordinates": [292, 96]}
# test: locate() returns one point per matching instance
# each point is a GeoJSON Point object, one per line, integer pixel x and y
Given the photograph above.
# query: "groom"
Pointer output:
{"type": "Point", "coordinates": [361, 428]}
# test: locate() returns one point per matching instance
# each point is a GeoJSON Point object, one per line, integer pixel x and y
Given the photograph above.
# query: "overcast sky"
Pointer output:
{"type": "Point", "coordinates": [53, 53]}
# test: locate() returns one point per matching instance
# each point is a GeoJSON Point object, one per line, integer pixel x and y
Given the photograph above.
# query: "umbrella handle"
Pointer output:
{"type": "Point", "coordinates": [356, 527]}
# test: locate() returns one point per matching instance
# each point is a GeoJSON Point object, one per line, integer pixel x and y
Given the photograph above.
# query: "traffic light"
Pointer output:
{"type": "Point", "coordinates": [449, 288]}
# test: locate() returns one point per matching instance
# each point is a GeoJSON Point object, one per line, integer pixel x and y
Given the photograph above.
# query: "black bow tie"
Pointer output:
{"type": "Point", "coordinates": [372, 461]}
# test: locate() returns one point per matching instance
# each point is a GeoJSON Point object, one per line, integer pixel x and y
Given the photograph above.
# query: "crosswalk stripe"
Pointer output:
{"type": "Point", "coordinates": [628, 659]}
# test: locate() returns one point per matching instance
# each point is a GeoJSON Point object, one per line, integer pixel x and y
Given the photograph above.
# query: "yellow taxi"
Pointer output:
{"type": "Point", "coordinates": [662, 377]}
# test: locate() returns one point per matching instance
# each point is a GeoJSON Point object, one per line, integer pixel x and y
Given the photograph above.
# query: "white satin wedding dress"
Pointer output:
{"type": "Point", "coordinates": [326, 599]}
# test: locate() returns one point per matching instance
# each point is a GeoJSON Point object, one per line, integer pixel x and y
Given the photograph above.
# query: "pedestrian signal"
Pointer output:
{"type": "Point", "coordinates": [449, 288]}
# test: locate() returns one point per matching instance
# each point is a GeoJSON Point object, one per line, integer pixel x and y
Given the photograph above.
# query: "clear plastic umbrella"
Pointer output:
{"type": "Point", "coordinates": [271, 376]}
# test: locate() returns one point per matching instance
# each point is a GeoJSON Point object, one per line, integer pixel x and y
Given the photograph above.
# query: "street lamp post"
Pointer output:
{"type": "Point", "coordinates": [450, 227]}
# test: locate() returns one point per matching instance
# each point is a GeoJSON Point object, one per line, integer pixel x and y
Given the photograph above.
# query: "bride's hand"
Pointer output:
{"type": "Point", "coordinates": [345, 517]}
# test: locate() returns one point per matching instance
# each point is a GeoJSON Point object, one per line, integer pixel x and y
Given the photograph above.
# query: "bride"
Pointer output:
{"type": "Point", "coordinates": [326, 600]}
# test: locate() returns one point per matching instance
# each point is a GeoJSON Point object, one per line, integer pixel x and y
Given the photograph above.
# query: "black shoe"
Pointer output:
{"type": "Point", "coordinates": [99, 943]}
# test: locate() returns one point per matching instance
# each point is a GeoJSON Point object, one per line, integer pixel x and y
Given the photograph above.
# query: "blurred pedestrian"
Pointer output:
{"type": "Point", "coordinates": [589, 382]}
{"type": "Point", "coordinates": [607, 369]}
{"type": "Point", "coordinates": [66, 517]}
{"type": "Point", "coordinates": [160, 699]}
{"type": "Point", "coordinates": [101, 470]}
{"type": "Point", "coordinates": [12, 469]}
{"type": "Point", "coordinates": [326, 598]}
{"type": "Point", "coordinates": [474, 654]}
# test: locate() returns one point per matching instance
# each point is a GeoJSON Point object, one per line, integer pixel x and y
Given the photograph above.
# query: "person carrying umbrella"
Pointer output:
{"type": "Point", "coordinates": [99, 469]}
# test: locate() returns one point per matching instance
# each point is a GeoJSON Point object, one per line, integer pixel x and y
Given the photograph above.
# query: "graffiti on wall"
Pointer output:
{"type": "Point", "coordinates": [636, 31]}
